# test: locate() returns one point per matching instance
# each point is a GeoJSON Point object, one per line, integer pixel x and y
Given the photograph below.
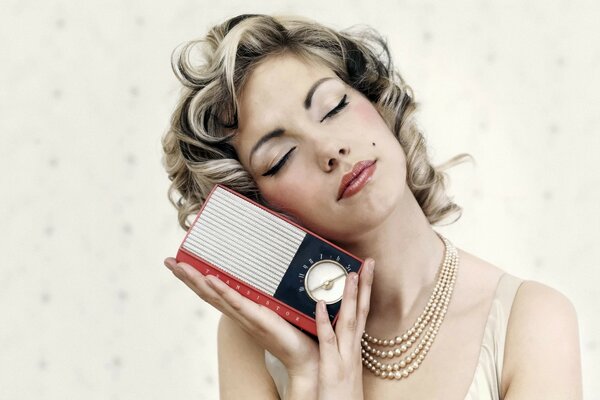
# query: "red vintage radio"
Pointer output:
{"type": "Point", "coordinates": [267, 258]}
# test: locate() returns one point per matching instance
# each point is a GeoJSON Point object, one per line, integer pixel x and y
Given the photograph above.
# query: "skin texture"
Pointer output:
{"type": "Point", "coordinates": [384, 223]}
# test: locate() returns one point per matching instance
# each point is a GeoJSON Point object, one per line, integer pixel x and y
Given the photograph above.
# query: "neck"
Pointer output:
{"type": "Point", "coordinates": [408, 254]}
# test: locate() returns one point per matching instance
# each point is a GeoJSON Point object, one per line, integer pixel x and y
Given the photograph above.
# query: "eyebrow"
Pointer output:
{"type": "Point", "coordinates": [273, 134]}
{"type": "Point", "coordinates": [311, 91]}
{"type": "Point", "coordinates": [279, 131]}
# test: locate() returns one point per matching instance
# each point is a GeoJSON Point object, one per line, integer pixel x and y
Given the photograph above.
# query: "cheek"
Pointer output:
{"type": "Point", "coordinates": [286, 196]}
{"type": "Point", "coordinates": [295, 198]}
{"type": "Point", "coordinates": [366, 112]}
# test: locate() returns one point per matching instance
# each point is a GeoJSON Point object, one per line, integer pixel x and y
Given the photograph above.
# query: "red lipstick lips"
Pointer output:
{"type": "Point", "coordinates": [356, 179]}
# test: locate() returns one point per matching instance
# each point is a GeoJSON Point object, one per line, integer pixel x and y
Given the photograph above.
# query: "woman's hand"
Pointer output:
{"type": "Point", "coordinates": [297, 351]}
{"type": "Point", "coordinates": [334, 363]}
{"type": "Point", "coordinates": [340, 365]}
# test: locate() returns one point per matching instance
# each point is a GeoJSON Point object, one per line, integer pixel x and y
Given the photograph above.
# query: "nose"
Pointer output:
{"type": "Point", "coordinates": [332, 156]}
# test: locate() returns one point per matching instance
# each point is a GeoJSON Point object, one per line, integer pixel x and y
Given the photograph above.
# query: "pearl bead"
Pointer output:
{"type": "Point", "coordinates": [429, 321]}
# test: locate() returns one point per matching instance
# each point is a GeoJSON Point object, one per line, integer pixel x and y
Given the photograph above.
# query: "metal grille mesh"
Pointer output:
{"type": "Point", "coordinates": [244, 240]}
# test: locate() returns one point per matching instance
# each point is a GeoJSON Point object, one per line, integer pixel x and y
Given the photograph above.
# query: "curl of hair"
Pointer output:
{"type": "Point", "coordinates": [197, 149]}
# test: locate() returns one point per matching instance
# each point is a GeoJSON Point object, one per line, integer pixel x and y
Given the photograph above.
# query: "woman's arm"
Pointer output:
{"type": "Point", "coordinates": [542, 355]}
{"type": "Point", "coordinates": [242, 371]}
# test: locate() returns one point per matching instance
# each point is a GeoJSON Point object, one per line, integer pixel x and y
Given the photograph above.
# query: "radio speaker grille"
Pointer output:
{"type": "Point", "coordinates": [244, 240]}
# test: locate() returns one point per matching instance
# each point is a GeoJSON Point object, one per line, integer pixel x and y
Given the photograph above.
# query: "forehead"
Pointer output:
{"type": "Point", "coordinates": [273, 93]}
{"type": "Point", "coordinates": [278, 83]}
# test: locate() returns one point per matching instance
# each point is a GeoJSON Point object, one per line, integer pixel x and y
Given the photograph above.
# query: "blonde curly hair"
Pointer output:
{"type": "Point", "coordinates": [197, 149]}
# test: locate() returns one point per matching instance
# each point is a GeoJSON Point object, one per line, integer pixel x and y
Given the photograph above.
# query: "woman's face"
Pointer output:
{"type": "Point", "coordinates": [300, 130]}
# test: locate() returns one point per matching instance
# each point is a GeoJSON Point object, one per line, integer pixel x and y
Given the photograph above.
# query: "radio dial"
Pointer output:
{"type": "Point", "coordinates": [325, 280]}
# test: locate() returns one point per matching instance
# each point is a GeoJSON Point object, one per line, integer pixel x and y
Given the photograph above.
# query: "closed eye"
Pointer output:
{"type": "Point", "coordinates": [343, 103]}
{"type": "Point", "coordinates": [280, 164]}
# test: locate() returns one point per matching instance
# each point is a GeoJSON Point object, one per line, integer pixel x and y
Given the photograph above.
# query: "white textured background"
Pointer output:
{"type": "Point", "coordinates": [87, 309]}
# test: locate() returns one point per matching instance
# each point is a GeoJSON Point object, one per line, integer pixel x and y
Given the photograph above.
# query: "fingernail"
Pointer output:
{"type": "Point", "coordinates": [213, 282]}
{"type": "Point", "coordinates": [167, 264]}
{"type": "Point", "coordinates": [355, 280]}
{"type": "Point", "coordinates": [370, 266]}
{"type": "Point", "coordinates": [322, 306]}
{"type": "Point", "coordinates": [216, 283]}
{"type": "Point", "coordinates": [179, 271]}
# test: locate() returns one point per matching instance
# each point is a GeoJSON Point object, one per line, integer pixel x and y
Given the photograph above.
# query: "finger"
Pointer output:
{"type": "Point", "coordinates": [170, 262]}
{"type": "Point", "coordinates": [328, 345]}
{"type": "Point", "coordinates": [346, 324]}
{"type": "Point", "coordinates": [256, 316]}
{"type": "Point", "coordinates": [364, 297]}
{"type": "Point", "coordinates": [252, 317]}
{"type": "Point", "coordinates": [269, 329]}
{"type": "Point", "coordinates": [199, 285]}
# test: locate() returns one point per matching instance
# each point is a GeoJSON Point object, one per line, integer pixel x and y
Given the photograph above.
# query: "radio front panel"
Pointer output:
{"type": "Point", "coordinates": [267, 258]}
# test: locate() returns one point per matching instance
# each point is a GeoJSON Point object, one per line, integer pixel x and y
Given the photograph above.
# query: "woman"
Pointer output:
{"type": "Point", "coordinates": [281, 110]}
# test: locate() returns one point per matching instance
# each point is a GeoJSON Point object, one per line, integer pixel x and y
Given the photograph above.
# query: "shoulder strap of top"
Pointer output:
{"type": "Point", "coordinates": [488, 373]}
{"type": "Point", "coordinates": [503, 299]}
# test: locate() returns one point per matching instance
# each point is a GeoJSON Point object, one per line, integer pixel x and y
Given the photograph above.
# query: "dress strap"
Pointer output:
{"type": "Point", "coordinates": [488, 373]}
{"type": "Point", "coordinates": [505, 295]}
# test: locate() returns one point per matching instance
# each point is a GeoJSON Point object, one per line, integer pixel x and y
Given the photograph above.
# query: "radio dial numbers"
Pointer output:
{"type": "Point", "coordinates": [325, 280]}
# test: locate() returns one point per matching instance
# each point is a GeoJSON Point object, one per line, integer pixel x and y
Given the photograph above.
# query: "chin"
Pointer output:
{"type": "Point", "coordinates": [347, 226]}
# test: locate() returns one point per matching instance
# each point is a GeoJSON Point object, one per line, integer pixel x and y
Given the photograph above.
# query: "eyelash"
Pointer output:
{"type": "Point", "coordinates": [337, 109]}
{"type": "Point", "coordinates": [342, 104]}
{"type": "Point", "coordinates": [278, 166]}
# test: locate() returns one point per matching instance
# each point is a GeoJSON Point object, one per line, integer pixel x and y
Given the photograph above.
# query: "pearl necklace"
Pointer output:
{"type": "Point", "coordinates": [432, 316]}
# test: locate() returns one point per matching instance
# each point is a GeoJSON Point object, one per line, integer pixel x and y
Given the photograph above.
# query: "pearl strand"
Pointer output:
{"type": "Point", "coordinates": [431, 318]}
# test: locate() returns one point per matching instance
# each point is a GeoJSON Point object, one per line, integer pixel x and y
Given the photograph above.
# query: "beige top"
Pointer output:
{"type": "Point", "coordinates": [486, 380]}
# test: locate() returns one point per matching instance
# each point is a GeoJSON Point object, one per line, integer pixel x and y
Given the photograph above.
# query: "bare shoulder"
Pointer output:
{"type": "Point", "coordinates": [542, 354]}
{"type": "Point", "coordinates": [242, 371]}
